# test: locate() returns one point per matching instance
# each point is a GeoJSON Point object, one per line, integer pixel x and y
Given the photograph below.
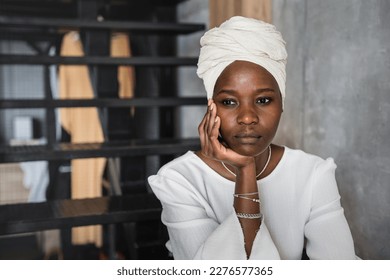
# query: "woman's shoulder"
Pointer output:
{"type": "Point", "coordinates": [179, 164]}
{"type": "Point", "coordinates": [307, 160]}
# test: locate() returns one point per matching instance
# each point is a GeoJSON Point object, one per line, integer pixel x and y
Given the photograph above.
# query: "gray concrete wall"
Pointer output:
{"type": "Point", "coordinates": [338, 103]}
{"type": "Point", "coordinates": [338, 100]}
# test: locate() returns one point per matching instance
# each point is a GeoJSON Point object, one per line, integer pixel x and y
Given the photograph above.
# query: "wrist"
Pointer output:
{"type": "Point", "coordinates": [246, 179]}
{"type": "Point", "coordinates": [249, 168]}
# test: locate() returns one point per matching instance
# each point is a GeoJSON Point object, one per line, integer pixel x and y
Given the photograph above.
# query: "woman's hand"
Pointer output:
{"type": "Point", "coordinates": [212, 147]}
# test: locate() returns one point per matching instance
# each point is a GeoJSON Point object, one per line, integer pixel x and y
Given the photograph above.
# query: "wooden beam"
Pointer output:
{"type": "Point", "coordinates": [221, 10]}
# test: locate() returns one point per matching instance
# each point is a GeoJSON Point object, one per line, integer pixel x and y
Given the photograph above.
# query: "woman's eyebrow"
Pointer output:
{"type": "Point", "coordinates": [233, 92]}
{"type": "Point", "coordinates": [260, 90]}
{"type": "Point", "coordinates": [227, 91]}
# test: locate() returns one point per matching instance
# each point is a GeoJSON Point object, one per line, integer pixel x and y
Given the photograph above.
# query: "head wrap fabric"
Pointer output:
{"type": "Point", "coordinates": [246, 39]}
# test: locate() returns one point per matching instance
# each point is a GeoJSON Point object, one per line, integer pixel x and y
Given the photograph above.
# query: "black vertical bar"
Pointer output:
{"type": "Point", "coordinates": [50, 113]}
{"type": "Point", "coordinates": [130, 237]}
{"type": "Point", "coordinates": [54, 190]}
{"type": "Point", "coordinates": [111, 242]}
{"type": "Point", "coordinates": [97, 42]}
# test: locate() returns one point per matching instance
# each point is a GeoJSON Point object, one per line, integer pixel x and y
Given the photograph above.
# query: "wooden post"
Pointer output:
{"type": "Point", "coordinates": [221, 10]}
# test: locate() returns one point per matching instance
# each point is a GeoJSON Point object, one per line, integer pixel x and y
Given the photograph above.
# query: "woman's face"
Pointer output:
{"type": "Point", "coordinates": [249, 104]}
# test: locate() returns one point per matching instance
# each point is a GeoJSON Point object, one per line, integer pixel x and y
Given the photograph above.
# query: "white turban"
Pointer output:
{"type": "Point", "coordinates": [241, 38]}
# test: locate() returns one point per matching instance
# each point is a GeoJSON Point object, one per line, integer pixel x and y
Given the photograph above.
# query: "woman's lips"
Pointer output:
{"type": "Point", "coordinates": [245, 138]}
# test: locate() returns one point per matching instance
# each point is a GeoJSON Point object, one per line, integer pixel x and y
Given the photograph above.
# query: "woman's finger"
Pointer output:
{"type": "Point", "coordinates": [212, 130]}
{"type": "Point", "coordinates": [202, 129]}
{"type": "Point", "coordinates": [215, 144]}
{"type": "Point", "coordinates": [211, 120]}
{"type": "Point", "coordinates": [202, 134]}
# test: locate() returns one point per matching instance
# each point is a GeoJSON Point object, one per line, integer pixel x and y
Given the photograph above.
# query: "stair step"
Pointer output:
{"type": "Point", "coordinates": [97, 60]}
{"type": "Point", "coordinates": [67, 213]}
{"type": "Point", "coordinates": [68, 151]}
{"type": "Point", "coordinates": [103, 102]}
{"type": "Point", "coordinates": [75, 24]}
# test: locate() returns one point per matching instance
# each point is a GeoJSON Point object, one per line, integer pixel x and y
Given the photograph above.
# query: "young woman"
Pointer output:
{"type": "Point", "coordinates": [240, 196]}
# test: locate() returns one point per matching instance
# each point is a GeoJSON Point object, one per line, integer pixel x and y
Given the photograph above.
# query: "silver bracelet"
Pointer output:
{"type": "Point", "coordinates": [249, 215]}
{"type": "Point", "coordinates": [251, 193]}
{"type": "Point", "coordinates": [247, 198]}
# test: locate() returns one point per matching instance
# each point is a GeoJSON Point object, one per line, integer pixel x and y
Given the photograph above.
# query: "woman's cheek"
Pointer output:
{"type": "Point", "coordinates": [224, 129]}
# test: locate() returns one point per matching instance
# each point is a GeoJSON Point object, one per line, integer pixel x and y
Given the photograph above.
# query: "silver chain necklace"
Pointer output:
{"type": "Point", "coordinates": [261, 172]}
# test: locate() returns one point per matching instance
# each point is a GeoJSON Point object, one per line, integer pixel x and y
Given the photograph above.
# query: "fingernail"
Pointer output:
{"type": "Point", "coordinates": [216, 119]}
{"type": "Point", "coordinates": [211, 107]}
{"type": "Point", "coordinates": [209, 102]}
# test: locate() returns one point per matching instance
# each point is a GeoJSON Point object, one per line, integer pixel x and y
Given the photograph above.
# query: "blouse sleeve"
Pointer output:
{"type": "Point", "coordinates": [327, 232]}
{"type": "Point", "coordinates": [194, 233]}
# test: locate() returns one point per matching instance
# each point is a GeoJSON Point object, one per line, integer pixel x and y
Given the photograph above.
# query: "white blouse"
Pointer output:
{"type": "Point", "coordinates": [300, 203]}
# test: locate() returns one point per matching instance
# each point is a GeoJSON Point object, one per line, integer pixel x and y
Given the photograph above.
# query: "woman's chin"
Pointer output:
{"type": "Point", "coordinates": [248, 151]}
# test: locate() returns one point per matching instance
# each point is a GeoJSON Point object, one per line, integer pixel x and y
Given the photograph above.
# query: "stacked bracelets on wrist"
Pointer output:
{"type": "Point", "coordinates": [248, 215]}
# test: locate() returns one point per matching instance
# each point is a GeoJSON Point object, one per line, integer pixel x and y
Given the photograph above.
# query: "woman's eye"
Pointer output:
{"type": "Point", "coordinates": [263, 100]}
{"type": "Point", "coordinates": [228, 102]}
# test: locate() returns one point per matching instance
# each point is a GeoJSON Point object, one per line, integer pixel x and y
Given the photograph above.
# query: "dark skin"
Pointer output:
{"type": "Point", "coordinates": [245, 111]}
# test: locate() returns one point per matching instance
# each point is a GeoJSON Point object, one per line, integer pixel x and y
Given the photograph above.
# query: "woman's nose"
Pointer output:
{"type": "Point", "coordinates": [247, 115]}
